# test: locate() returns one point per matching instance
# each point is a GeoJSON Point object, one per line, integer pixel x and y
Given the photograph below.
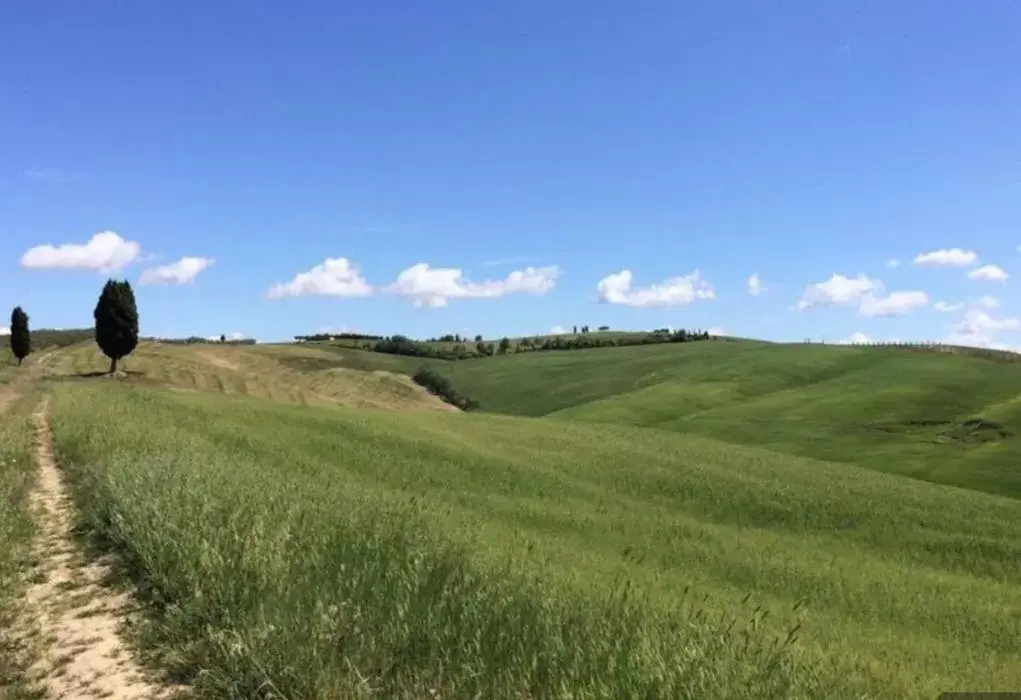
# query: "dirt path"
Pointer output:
{"type": "Point", "coordinates": [76, 616]}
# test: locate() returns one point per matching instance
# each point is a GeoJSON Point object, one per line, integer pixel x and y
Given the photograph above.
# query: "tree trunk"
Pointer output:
{"type": "Point", "coordinates": [113, 365]}
{"type": "Point", "coordinates": [20, 359]}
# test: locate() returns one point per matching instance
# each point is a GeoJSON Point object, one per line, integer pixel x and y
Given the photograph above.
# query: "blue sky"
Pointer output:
{"type": "Point", "coordinates": [270, 168]}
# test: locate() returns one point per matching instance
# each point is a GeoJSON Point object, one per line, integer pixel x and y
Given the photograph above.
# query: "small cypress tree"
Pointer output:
{"type": "Point", "coordinates": [21, 339]}
{"type": "Point", "coordinates": [116, 321]}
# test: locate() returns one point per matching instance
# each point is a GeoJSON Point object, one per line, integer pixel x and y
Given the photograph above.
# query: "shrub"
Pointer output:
{"type": "Point", "coordinates": [439, 385]}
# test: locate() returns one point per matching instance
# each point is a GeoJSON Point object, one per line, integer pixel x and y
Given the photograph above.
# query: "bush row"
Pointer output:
{"type": "Point", "coordinates": [402, 345]}
{"type": "Point", "coordinates": [437, 384]}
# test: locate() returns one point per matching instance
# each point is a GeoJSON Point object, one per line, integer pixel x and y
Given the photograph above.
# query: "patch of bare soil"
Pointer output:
{"type": "Point", "coordinates": [218, 360]}
{"type": "Point", "coordinates": [70, 614]}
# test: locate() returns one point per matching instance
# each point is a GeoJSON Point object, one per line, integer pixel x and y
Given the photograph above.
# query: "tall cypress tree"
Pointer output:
{"type": "Point", "coordinates": [116, 321]}
{"type": "Point", "coordinates": [21, 339]}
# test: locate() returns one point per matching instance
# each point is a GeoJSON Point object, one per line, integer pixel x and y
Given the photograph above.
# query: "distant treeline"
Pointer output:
{"type": "Point", "coordinates": [195, 340]}
{"type": "Point", "coordinates": [60, 338]}
{"type": "Point", "coordinates": [932, 346]}
{"type": "Point", "coordinates": [322, 337]}
{"type": "Point", "coordinates": [464, 350]}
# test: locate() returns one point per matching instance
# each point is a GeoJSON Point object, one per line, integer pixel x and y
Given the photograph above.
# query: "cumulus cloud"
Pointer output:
{"type": "Point", "coordinates": [978, 322]}
{"type": "Point", "coordinates": [230, 336]}
{"type": "Point", "coordinates": [979, 329]}
{"type": "Point", "coordinates": [946, 307]}
{"type": "Point", "coordinates": [435, 287]}
{"type": "Point", "coordinates": [838, 290]}
{"type": "Point", "coordinates": [557, 330]}
{"type": "Point", "coordinates": [184, 270]}
{"type": "Point", "coordinates": [947, 257]}
{"type": "Point", "coordinates": [755, 287]}
{"type": "Point", "coordinates": [855, 338]}
{"type": "Point", "coordinates": [335, 277]}
{"type": "Point", "coordinates": [104, 252]}
{"type": "Point", "coordinates": [673, 291]}
{"type": "Point", "coordinates": [895, 304]}
{"type": "Point", "coordinates": [867, 293]}
{"type": "Point", "coordinates": [717, 331]}
{"type": "Point", "coordinates": [988, 273]}
{"type": "Point", "coordinates": [5, 330]}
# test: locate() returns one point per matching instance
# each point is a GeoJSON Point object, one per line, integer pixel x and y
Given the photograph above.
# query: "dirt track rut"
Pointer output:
{"type": "Point", "coordinates": [73, 616]}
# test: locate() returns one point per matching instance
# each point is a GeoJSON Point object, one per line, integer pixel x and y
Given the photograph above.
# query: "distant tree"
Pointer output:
{"type": "Point", "coordinates": [478, 339]}
{"type": "Point", "coordinates": [116, 318]}
{"type": "Point", "coordinates": [576, 330]}
{"type": "Point", "coordinates": [223, 338]}
{"type": "Point", "coordinates": [604, 328]}
{"type": "Point", "coordinates": [21, 339]}
{"type": "Point", "coordinates": [584, 329]}
{"type": "Point", "coordinates": [504, 346]}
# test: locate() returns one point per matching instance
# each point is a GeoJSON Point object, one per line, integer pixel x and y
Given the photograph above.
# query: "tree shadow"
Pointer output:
{"type": "Point", "coordinates": [106, 373]}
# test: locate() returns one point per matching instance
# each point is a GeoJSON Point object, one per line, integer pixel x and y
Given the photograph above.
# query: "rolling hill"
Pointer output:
{"type": "Point", "coordinates": [942, 417]}
{"type": "Point", "coordinates": [306, 510]}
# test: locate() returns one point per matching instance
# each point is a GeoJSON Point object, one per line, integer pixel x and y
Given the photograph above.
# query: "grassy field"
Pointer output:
{"type": "Point", "coordinates": [245, 370]}
{"type": "Point", "coordinates": [940, 417]}
{"type": "Point", "coordinates": [284, 545]}
{"type": "Point", "coordinates": [16, 528]}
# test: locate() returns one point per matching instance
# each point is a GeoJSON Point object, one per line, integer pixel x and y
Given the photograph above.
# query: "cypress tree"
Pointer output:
{"type": "Point", "coordinates": [116, 321]}
{"type": "Point", "coordinates": [21, 339]}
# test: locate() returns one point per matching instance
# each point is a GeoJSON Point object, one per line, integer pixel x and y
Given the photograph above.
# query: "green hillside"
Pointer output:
{"type": "Point", "coordinates": [941, 417]}
{"type": "Point", "coordinates": [254, 517]}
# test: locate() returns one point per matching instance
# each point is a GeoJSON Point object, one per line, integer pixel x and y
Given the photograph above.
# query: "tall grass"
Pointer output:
{"type": "Point", "coordinates": [16, 529]}
{"type": "Point", "coordinates": [286, 579]}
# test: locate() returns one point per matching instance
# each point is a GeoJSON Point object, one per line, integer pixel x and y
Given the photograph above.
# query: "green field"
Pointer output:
{"type": "Point", "coordinates": [291, 534]}
{"type": "Point", "coordinates": [16, 529]}
{"type": "Point", "coordinates": [945, 418]}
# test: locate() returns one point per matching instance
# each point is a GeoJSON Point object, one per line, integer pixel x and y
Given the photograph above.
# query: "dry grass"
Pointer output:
{"type": "Point", "coordinates": [251, 371]}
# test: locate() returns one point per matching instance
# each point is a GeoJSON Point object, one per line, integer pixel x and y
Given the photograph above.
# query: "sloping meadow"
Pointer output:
{"type": "Point", "coordinates": [318, 553]}
{"type": "Point", "coordinates": [284, 576]}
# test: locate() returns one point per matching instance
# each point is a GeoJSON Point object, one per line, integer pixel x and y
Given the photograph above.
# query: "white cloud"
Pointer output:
{"type": "Point", "coordinates": [856, 337]}
{"type": "Point", "coordinates": [893, 263]}
{"type": "Point", "coordinates": [976, 322]}
{"type": "Point", "coordinates": [989, 302]}
{"type": "Point", "coordinates": [947, 307]}
{"type": "Point", "coordinates": [755, 287]}
{"type": "Point", "coordinates": [717, 330]}
{"type": "Point", "coordinates": [988, 273]}
{"type": "Point", "coordinates": [864, 291]}
{"type": "Point", "coordinates": [947, 257]}
{"type": "Point", "coordinates": [104, 252]}
{"type": "Point", "coordinates": [557, 330]}
{"type": "Point", "coordinates": [674, 291]}
{"type": "Point", "coordinates": [180, 272]}
{"type": "Point", "coordinates": [434, 287]}
{"type": "Point", "coordinates": [838, 290]}
{"type": "Point", "coordinates": [230, 336]}
{"type": "Point", "coordinates": [4, 330]}
{"type": "Point", "coordinates": [896, 304]}
{"type": "Point", "coordinates": [979, 329]}
{"type": "Point", "coordinates": [335, 277]}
